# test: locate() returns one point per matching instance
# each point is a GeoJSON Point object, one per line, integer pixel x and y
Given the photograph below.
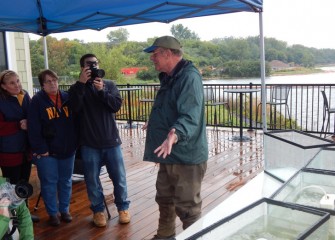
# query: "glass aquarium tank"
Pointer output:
{"type": "Point", "coordinates": [286, 152]}
{"type": "Point", "coordinates": [311, 188]}
{"type": "Point", "coordinates": [323, 160]}
{"type": "Point", "coordinates": [268, 219]}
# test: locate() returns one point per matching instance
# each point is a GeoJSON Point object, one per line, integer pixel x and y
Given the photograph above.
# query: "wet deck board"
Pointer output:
{"type": "Point", "coordinates": [230, 166]}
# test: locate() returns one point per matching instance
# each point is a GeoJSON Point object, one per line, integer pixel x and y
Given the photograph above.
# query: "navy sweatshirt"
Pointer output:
{"type": "Point", "coordinates": [51, 129]}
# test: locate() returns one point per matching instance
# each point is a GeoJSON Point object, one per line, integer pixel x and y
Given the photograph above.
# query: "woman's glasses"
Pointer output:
{"type": "Point", "coordinates": [51, 81]}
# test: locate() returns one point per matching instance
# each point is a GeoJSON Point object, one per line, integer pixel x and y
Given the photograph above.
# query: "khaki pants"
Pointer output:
{"type": "Point", "coordinates": [178, 194]}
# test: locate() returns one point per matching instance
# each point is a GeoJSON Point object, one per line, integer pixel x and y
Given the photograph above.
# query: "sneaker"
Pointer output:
{"type": "Point", "coordinates": [66, 217]}
{"type": "Point", "coordinates": [124, 216]}
{"type": "Point", "coordinates": [99, 219]}
{"type": "Point", "coordinates": [53, 221]}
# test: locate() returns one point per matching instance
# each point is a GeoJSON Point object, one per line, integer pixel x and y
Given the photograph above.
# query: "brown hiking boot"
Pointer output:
{"type": "Point", "coordinates": [124, 216]}
{"type": "Point", "coordinates": [99, 219]}
{"type": "Point", "coordinates": [66, 217]}
{"type": "Point", "coordinates": [54, 221]}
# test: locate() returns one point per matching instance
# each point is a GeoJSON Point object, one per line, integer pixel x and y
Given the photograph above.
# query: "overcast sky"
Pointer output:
{"type": "Point", "coordinates": [306, 22]}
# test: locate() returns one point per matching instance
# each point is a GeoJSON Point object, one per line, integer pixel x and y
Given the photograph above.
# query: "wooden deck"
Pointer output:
{"type": "Point", "coordinates": [230, 166]}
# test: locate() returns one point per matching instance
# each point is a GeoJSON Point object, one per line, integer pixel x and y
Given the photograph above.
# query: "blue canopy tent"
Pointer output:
{"type": "Point", "coordinates": [44, 17]}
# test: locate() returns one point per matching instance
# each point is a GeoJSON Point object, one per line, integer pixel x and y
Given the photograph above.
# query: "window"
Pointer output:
{"type": "Point", "coordinates": [3, 58]}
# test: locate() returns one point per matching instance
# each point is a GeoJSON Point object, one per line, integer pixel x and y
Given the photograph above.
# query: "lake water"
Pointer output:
{"type": "Point", "coordinates": [327, 77]}
{"type": "Point", "coordinates": [301, 102]}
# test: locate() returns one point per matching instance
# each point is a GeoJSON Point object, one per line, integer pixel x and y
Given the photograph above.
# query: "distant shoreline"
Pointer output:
{"type": "Point", "coordinates": [291, 71]}
{"type": "Point", "coordinates": [304, 71]}
{"type": "Point", "coordinates": [297, 71]}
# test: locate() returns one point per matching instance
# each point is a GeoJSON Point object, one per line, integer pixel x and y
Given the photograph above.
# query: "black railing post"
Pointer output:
{"type": "Point", "coordinates": [130, 122]}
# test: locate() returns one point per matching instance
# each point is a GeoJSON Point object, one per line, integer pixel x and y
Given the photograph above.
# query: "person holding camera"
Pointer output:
{"type": "Point", "coordinates": [53, 140]}
{"type": "Point", "coordinates": [19, 214]}
{"type": "Point", "coordinates": [95, 103]}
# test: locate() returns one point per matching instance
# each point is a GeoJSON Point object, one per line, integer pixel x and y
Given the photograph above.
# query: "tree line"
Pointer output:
{"type": "Point", "coordinates": [218, 58]}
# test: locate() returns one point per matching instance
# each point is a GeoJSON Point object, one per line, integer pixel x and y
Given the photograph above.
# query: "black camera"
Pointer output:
{"type": "Point", "coordinates": [23, 189]}
{"type": "Point", "coordinates": [16, 194]}
{"type": "Point", "coordinates": [96, 72]}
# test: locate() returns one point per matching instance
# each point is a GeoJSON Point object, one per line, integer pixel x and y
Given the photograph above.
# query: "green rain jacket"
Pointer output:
{"type": "Point", "coordinates": [25, 226]}
{"type": "Point", "coordinates": [179, 104]}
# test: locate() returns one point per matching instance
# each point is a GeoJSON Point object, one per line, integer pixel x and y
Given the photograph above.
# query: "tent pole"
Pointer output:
{"type": "Point", "coordinates": [45, 50]}
{"type": "Point", "coordinates": [262, 59]}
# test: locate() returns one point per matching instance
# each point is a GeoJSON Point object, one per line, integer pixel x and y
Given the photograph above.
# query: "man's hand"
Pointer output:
{"type": "Point", "coordinates": [166, 147]}
{"type": "Point", "coordinates": [4, 204]}
{"type": "Point", "coordinates": [98, 84]}
{"type": "Point", "coordinates": [145, 126]}
{"type": "Point", "coordinates": [85, 75]}
{"type": "Point", "coordinates": [23, 124]}
{"type": "Point", "coordinates": [38, 156]}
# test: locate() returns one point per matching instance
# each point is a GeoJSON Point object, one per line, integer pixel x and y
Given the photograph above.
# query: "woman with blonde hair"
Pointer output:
{"type": "Point", "coordinates": [15, 157]}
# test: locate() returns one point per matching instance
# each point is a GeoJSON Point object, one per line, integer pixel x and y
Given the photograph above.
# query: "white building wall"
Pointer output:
{"type": "Point", "coordinates": [18, 54]}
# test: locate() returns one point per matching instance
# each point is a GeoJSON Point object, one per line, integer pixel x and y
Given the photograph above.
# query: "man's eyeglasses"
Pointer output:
{"type": "Point", "coordinates": [90, 63]}
{"type": "Point", "coordinates": [50, 81]}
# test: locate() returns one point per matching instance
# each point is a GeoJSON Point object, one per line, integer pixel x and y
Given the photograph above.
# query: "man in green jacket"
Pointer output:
{"type": "Point", "coordinates": [176, 137]}
{"type": "Point", "coordinates": [25, 224]}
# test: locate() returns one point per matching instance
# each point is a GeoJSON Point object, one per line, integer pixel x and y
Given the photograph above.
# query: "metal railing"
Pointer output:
{"type": "Point", "coordinates": [305, 105]}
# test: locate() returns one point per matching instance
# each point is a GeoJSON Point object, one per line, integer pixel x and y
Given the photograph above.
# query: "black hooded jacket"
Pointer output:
{"type": "Point", "coordinates": [95, 112]}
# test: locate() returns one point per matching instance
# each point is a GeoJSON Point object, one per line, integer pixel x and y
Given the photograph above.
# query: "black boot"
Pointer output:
{"type": "Point", "coordinates": [34, 218]}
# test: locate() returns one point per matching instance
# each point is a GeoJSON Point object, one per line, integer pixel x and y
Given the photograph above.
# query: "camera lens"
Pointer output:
{"type": "Point", "coordinates": [24, 190]}
{"type": "Point", "coordinates": [100, 73]}
{"type": "Point", "coordinates": [96, 72]}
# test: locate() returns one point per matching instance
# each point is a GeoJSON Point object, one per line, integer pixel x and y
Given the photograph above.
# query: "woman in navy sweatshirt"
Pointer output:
{"type": "Point", "coordinates": [52, 137]}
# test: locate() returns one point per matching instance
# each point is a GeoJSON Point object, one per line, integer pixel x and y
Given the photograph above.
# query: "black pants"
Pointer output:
{"type": "Point", "coordinates": [17, 173]}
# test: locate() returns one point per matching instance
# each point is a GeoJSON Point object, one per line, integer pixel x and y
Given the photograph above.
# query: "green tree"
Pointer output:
{"type": "Point", "coordinates": [201, 53]}
{"type": "Point", "coordinates": [133, 54]}
{"type": "Point", "coordinates": [181, 33]}
{"type": "Point", "coordinates": [59, 54]}
{"type": "Point", "coordinates": [275, 50]}
{"type": "Point", "coordinates": [76, 50]}
{"type": "Point", "coordinates": [36, 56]}
{"type": "Point", "coordinates": [238, 49]}
{"type": "Point", "coordinates": [246, 68]}
{"type": "Point", "coordinates": [63, 57]}
{"type": "Point", "coordinates": [301, 55]}
{"type": "Point", "coordinates": [148, 75]}
{"type": "Point", "coordinates": [110, 59]}
{"type": "Point", "coordinates": [233, 57]}
{"type": "Point", "coordinates": [118, 36]}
